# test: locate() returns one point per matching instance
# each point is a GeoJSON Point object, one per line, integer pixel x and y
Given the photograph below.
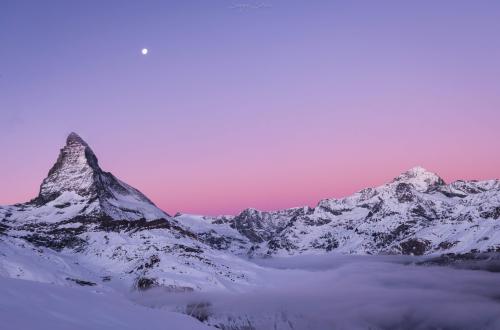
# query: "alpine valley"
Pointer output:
{"type": "Point", "coordinates": [88, 230]}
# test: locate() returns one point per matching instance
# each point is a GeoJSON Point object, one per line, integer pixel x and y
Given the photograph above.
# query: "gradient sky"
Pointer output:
{"type": "Point", "coordinates": [265, 104]}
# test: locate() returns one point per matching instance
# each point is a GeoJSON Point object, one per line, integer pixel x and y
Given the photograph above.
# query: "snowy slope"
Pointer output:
{"type": "Point", "coordinates": [31, 305]}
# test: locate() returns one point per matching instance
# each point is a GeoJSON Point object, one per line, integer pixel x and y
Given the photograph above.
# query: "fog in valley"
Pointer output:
{"type": "Point", "coordinates": [347, 292]}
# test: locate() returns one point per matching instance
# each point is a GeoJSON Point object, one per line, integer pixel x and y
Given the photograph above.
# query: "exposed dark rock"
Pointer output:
{"type": "Point", "coordinates": [404, 193]}
{"type": "Point", "coordinates": [62, 206]}
{"type": "Point", "coordinates": [200, 310]}
{"type": "Point", "coordinates": [415, 247]}
{"type": "Point", "coordinates": [56, 243]}
{"type": "Point", "coordinates": [326, 242]}
{"type": "Point", "coordinates": [401, 230]}
{"type": "Point", "coordinates": [316, 221]}
{"type": "Point", "coordinates": [188, 249]}
{"type": "Point", "coordinates": [330, 210]}
{"type": "Point", "coordinates": [491, 214]}
{"type": "Point", "coordinates": [80, 282]}
{"type": "Point", "coordinates": [446, 245]}
{"type": "Point", "coordinates": [217, 241]}
{"type": "Point", "coordinates": [451, 194]}
{"type": "Point", "coordinates": [251, 225]}
{"type": "Point", "coordinates": [153, 260]}
{"type": "Point", "coordinates": [3, 229]}
{"type": "Point", "coordinates": [108, 224]}
{"type": "Point", "coordinates": [420, 211]}
{"type": "Point", "coordinates": [280, 242]}
{"type": "Point", "coordinates": [382, 239]}
{"type": "Point", "coordinates": [145, 283]}
{"type": "Point", "coordinates": [376, 208]}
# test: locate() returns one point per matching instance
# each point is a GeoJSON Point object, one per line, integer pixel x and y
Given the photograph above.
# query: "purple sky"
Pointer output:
{"type": "Point", "coordinates": [268, 105]}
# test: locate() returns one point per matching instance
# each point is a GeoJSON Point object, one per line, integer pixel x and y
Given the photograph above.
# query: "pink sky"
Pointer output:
{"type": "Point", "coordinates": [268, 108]}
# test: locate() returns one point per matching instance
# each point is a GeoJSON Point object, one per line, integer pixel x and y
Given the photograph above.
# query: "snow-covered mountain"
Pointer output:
{"type": "Point", "coordinates": [88, 229]}
{"type": "Point", "coordinates": [77, 186]}
{"type": "Point", "coordinates": [416, 213]}
{"type": "Point", "coordinates": [87, 216]}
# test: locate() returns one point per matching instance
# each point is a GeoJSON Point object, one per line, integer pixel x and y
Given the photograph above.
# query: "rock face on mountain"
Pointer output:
{"type": "Point", "coordinates": [77, 186]}
{"type": "Point", "coordinates": [417, 213]}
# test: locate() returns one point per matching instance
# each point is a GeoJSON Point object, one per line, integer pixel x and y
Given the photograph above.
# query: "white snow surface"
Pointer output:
{"type": "Point", "coordinates": [26, 305]}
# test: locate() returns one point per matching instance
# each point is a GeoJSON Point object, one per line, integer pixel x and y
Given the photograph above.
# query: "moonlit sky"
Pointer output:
{"type": "Point", "coordinates": [265, 104]}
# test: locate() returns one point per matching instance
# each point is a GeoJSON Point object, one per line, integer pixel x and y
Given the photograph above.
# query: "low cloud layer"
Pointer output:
{"type": "Point", "coordinates": [353, 293]}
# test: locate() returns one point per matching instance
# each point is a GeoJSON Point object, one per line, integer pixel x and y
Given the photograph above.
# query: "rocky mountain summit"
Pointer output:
{"type": "Point", "coordinates": [77, 186]}
{"type": "Point", "coordinates": [84, 215]}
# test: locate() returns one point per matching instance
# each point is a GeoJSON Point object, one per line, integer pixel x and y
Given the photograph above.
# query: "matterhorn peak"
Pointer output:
{"type": "Point", "coordinates": [76, 176]}
{"type": "Point", "coordinates": [75, 170]}
{"type": "Point", "coordinates": [420, 178]}
{"type": "Point", "coordinates": [74, 138]}
{"type": "Point", "coordinates": [78, 145]}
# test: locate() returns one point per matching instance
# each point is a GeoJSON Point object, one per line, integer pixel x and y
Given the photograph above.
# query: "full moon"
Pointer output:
{"type": "Point", "coordinates": [144, 51]}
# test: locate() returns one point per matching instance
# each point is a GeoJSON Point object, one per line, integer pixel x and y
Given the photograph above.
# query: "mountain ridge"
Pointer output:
{"type": "Point", "coordinates": [88, 216]}
{"type": "Point", "coordinates": [397, 217]}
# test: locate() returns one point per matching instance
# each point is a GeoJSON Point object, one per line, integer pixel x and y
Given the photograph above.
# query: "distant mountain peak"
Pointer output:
{"type": "Point", "coordinates": [418, 170]}
{"type": "Point", "coordinates": [420, 178]}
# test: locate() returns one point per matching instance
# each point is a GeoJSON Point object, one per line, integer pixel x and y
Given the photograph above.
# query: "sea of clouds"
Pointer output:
{"type": "Point", "coordinates": [349, 292]}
